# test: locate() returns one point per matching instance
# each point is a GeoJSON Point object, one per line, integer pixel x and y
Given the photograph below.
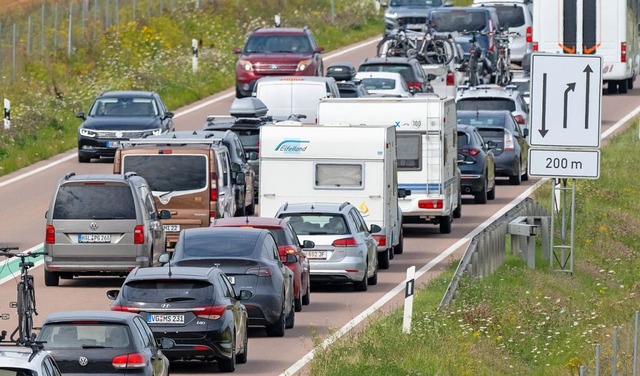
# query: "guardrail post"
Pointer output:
{"type": "Point", "coordinates": [544, 234]}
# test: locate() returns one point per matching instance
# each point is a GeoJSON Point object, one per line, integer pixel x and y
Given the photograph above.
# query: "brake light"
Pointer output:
{"type": "Point", "coordinates": [535, 46]}
{"type": "Point", "coordinates": [260, 271]}
{"type": "Point", "coordinates": [135, 360]}
{"type": "Point", "coordinates": [451, 79]}
{"type": "Point", "coordinates": [138, 234]}
{"type": "Point", "coordinates": [430, 204]}
{"type": "Point", "coordinates": [344, 242]}
{"type": "Point", "coordinates": [623, 52]}
{"type": "Point", "coordinates": [124, 309]}
{"type": "Point", "coordinates": [50, 236]}
{"type": "Point", "coordinates": [381, 239]}
{"type": "Point", "coordinates": [285, 250]}
{"type": "Point", "coordinates": [471, 152]}
{"type": "Point", "coordinates": [414, 85]}
{"type": "Point", "coordinates": [167, 151]}
{"type": "Point", "coordinates": [529, 34]}
{"type": "Point", "coordinates": [214, 194]}
{"type": "Point", "coordinates": [508, 141]}
{"type": "Point", "coordinates": [520, 119]}
{"type": "Point", "coordinates": [211, 312]}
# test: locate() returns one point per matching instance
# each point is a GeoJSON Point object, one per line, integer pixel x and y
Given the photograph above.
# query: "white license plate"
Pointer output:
{"type": "Point", "coordinates": [232, 280]}
{"type": "Point", "coordinates": [316, 254]}
{"type": "Point", "coordinates": [415, 26]}
{"type": "Point", "coordinates": [94, 238]}
{"type": "Point", "coordinates": [172, 228]}
{"type": "Point", "coordinates": [113, 144]}
{"type": "Point", "coordinates": [165, 319]}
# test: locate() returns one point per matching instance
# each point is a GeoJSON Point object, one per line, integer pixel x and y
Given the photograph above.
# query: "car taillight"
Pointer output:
{"type": "Point", "coordinates": [535, 46]}
{"type": "Point", "coordinates": [414, 85]}
{"type": "Point", "coordinates": [508, 141]}
{"type": "Point", "coordinates": [345, 242]}
{"type": "Point", "coordinates": [50, 236]}
{"type": "Point", "coordinates": [430, 204]}
{"type": "Point", "coordinates": [471, 152]}
{"type": "Point", "coordinates": [211, 312]}
{"type": "Point", "coordinates": [285, 250]}
{"type": "Point", "coordinates": [623, 52]}
{"type": "Point", "coordinates": [135, 360]}
{"type": "Point", "coordinates": [125, 309]}
{"type": "Point", "coordinates": [138, 234]}
{"type": "Point", "coordinates": [381, 239]}
{"type": "Point", "coordinates": [520, 119]}
{"type": "Point", "coordinates": [529, 34]}
{"type": "Point", "coordinates": [260, 271]}
{"type": "Point", "coordinates": [451, 79]}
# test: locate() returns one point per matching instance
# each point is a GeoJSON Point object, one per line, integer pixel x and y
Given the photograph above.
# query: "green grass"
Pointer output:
{"type": "Point", "coordinates": [520, 321]}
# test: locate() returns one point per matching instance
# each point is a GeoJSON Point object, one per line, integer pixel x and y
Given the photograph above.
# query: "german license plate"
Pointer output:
{"type": "Point", "coordinates": [171, 228]}
{"type": "Point", "coordinates": [232, 280]}
{"type": "Point", "coordinates": [165, 319]}
{"type": "Point", "coordinates": [316, 254]}
{"type": "Point", "coordinates": [94, 238]}
{"type": "Point", "coordinates": [113, 144]}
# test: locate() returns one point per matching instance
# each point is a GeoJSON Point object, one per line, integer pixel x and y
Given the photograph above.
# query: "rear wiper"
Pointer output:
{"type": "Point", "coordinates": [95, 347]}
{"type": "Point", "coordinates": [166, 193]}
{"type": "Point", "coordinates": [178, 299]}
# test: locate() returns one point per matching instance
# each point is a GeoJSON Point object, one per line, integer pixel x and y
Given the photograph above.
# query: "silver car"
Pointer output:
{"type": "Point", "coordinates": [410, 14]}
{"type": "Point", "coordinates": [23, 360]}
{"type": "Point", "coordinates": [345, 250]}
{"type": "Point", "coordinates": [494, 98]}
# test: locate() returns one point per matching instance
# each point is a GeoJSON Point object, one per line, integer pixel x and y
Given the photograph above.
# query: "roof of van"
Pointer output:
{"type": "Point", "coordinates": [297, 78]}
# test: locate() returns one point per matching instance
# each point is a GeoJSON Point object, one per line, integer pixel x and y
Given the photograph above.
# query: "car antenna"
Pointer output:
{"type": "Point", "coordinates": [169, 266]}
{"type": "Point", "coordinates": [246, 221]}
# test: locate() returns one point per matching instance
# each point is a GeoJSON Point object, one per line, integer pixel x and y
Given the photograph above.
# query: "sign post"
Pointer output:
{"type": "Point", "coordinates": [408, 299]}
{"type": "Point", "coordinates": [194, 51]}
{"type": "Point", "coordinates": [7, 114]}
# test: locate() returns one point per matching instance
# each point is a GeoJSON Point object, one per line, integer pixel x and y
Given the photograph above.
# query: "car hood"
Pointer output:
{"type": "Point", "coordinates": [121, 123]}
{"type": "Point", "coordinates": [275, 57]}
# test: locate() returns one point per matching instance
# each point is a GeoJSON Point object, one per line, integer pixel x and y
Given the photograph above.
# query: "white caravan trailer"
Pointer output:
{"type": "Point", "coordinates": [608, 28]}
{"type": "Point", "coordinates": [334, 163]}
{"type": "Point", "coordinates": [426, 130]}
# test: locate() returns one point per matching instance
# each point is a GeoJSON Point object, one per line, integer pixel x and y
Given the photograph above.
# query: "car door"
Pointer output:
{"type": "Point", "coordinates": [365, 236]}
{"type": "Point", "coordinates": [488, 159]}
{"type": "Point", "coordinates": [271, 252]}
{"type": "Point", "coordinates": [226, 199]}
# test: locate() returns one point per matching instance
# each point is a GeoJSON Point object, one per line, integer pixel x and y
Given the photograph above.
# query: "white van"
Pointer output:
{"type": "Point", "coordinates": [334, 163]}
{"type": "Point", "coordinates": [427, 134]}
{"type": "Point", "coordinates": [285, 96]}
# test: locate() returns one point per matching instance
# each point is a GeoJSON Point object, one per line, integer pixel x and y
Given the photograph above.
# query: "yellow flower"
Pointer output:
{"type": "Point", "coordinates": [476, 334]}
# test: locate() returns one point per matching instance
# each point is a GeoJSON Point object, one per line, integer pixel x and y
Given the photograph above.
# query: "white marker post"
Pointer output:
{"type": "Point", "coordinates": [194, 50]}
{"type": "Point", "coordinates": [408, 299]}
{"type": "Point", "coordinates": [7, 114]}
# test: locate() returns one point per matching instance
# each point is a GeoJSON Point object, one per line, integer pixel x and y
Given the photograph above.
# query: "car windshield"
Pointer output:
{"type": "Point", "coordinates": [416, 3]}
{"type": "Point", "coordinates": [216, 245]}
{"type": "Point", "coordinates": [458, 20]}
{"type": "Point", "coordinates": [168, 290]}
{"type": "Point", "coordinates": [317, 224]}
{"type": "Point", "coordinates": [487, 104]}
{"type": "Point", "coordinates": [169, 172]}
{"type": "Point", "coordinates": [482, 120]}
{"type": "Point", "coordinates": [124, 107]}
{"type": "Point", "coordinates": [510, 16]}
{"type": "Point", "coordinates": [94, 201]}
{"type": "Point", "coordinates": [404, 70]}
{"type": "Point", "coordinates": [80, 334]}
{"type": "Point", "coordinates": [278, 43]}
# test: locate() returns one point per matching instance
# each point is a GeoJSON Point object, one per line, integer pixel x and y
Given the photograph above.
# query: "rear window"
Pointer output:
{"type": "Point", "coordinates": [82, 335]}
{"type": "Point", "coordinates": [510, 16]}
{"type": "Point", "coordinates": [220, 245]}
{"type": "Point", "coordinates": [404, 70]}
{"type": "Point", "coordinates": [379, 83]}
{"type": "Point", "coordinates": [169, 172]}
{"type": "Point", "coordinates": [317, 224]}
{"type": "Point", "coordinates": [458, 20]}
{"type": "Point", "coordinates": [409, 151]}
{"type": "Point", "coordinates": [486, 104]}
{"type": "Point", "coordinates": [249, 138]}
{"type": "Point", "coordinates": [492, 134]}
{"type": "Point", "coordinates": [166, 291]}
{"type": "Point", "coordinates": [94, 201]}
{"type": "Point", "coordinates": [491, 121]}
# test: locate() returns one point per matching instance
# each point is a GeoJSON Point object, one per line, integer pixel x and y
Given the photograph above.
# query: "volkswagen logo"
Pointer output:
{"type": "Point", "coordinates": [119, 134]}
{"type": "Point", "coordinates": [93, 225]}
{"type": "Point", "coordinates": [274, 66]}
{"type": "Point", "coordinates": [83, 361]}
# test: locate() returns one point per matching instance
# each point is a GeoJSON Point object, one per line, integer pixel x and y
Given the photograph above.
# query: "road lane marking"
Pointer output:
{"type": "Point", "coordinates": [10, 269]}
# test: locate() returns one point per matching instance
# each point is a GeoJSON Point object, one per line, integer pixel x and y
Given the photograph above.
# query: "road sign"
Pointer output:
{"type": "Point", "coordinates": [564, 163]}
{"type": "Point", "coordinates": [566, 99]}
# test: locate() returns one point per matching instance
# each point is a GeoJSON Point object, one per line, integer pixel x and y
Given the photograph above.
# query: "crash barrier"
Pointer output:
{"type": "Point", "coordinates": [487, 249]}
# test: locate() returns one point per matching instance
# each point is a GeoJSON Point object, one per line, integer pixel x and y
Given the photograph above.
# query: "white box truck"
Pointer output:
{"type": "Point", "coordinates": [326, 163]}
{"type": "Point", "coordinates": [592, 27]}
{"type": "Point", "coordinates": [426, 131]}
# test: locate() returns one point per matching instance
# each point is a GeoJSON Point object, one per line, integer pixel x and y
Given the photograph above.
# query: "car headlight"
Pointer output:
{"type": "Point", "coordinates": [246, 65]}
{"type": "Point", "coordinates": [391, 15]}
{"type": "Point", "coordinates": [302, 65]}
{"type": "Point", "coordinates": [156, 132]}
{"type": "Point", "coordinates": [87, 132]}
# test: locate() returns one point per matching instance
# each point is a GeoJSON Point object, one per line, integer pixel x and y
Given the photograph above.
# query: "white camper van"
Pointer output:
{"type": "Point", "coordinates": [426, 131]}
{"type": "Point", "coordinates": [334, 163]}
{"type": "Point", "coordinates": [606, 28]}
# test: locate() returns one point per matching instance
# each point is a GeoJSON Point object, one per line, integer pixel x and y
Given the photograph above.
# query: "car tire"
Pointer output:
{"type": "Point", "coordinates": [238, 93]}
{"type": "Point", "coordinates": [242, 358]}
{"type": "Point", "coordinates": [391, 253]}
{"type": "Point", "coordinates": [491, 195]}
{"type": "Point", "coordinates": [525, 176]}
{"type": "Point", "coordinates": [457, 212]}
{"type": "Point", "coordinates": [398, 249]}
{"type": "Point", "coordinates": [291, 317]}
{"type": "Point", "coordinates": [517, 178]}
{"type": "Point", "coordinates": [297, 303]}
{"type": "Point", "coordinates": [51, 278]}
{"type": "Point", "coordinates": [445, 224]}
{"type": "Point", "coordinates": [383, 259]}
{"type": "Point", "coordinates": [362, 285]}
{"type": "Point", "coordinates": [622, 86]}
{"type": "Point", "coordinates": [306, 299]}
{"type": "Point", "coordinates": [277, 328]}
{"type": "Point", "coordinates": [480, 197]}
{"type": "Point", "coordinates": [612, 87]}
{"type": "Point", "coordinates": [228, 365]}
{"type": "Point", "coordinates": [82, 159]}
{"type": "Point", "coordinates": [373, 280]}
{"type": "Point", "coordinates": [630, 82]}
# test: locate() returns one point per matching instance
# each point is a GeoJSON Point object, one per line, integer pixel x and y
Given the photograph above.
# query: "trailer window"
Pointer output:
{"type": "Point", "coordinates": [409, 151]}
{"type": "Point", "coordinates": [334, 175]}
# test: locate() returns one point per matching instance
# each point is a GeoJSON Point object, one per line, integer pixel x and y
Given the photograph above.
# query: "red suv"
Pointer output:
{"type": "Point", "coordinates": [277, 52]}
{"type": "Point", "coordinates": [288, 243]}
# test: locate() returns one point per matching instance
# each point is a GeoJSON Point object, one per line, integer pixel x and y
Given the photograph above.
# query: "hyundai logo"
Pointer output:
{"type": "Point", "coordinates": [119, 134]}
{"type": "Point", "coordinates": [93, 225]}
{"type": "Point", "coordinates": [83, 361]}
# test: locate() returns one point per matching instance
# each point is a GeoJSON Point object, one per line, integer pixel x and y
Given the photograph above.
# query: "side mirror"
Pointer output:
{"type": "Point", "coordinates": [375, 229]}
{"type": "Point", "coordinates": [166, 343]}
{"type": "Point", "coordinates": [240, 178]}
{"type": "Point", "coordinates": [164, 258]}
{"type": "Point", "coordinates": [235, 167]}
{"type": "Point", "coordinates": [291, 258]}
{"type": "Point", "coordinates": [164, 214]}
{"type": "Point", "coordinates": [431, 76]}
{"type": "Point", "coordinates": [525, 132]}
{"type": "Point", "coordinates": [113, 294]}
{"type": "Point", "coordinates": [168, 115]}
{"type": "Point", "coordinates": [245, 295]}
{"type": "Point", "coordinates": [252, 156]}
{"type": "Point", "coordinates": [308, 244]}
{"type": "Point", "coordinates": [402, 193]}
{"type": "Point", "coordinates": [80, 115]}
{"type": "Point", "coordinates": [319, 50]}
{"type": "Point", "coordinates": [236, 50]}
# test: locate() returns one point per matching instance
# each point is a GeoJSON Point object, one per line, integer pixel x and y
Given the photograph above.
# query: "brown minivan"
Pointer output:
{"type": "Point", "coordinates": [189, 174]}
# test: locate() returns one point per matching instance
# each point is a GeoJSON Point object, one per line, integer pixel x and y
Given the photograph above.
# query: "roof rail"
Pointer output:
{"type": "Point", "coordinates": [209, 140]}
{"type": "Point", "coordinates": [69, 175]}
{"type": "Point", "coordinates": [343, 205]}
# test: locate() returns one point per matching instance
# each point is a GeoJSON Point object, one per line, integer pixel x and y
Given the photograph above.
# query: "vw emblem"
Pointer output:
{"type": "Point", "coordinates": [83, 361]}
{"type": "Point", "coordinates": [164, 200]}
{"type": "Point", "coordinates": [93, 225]}
{"type": "Point", "coordinates": [274, 66]}
{"type": "Point", "coordinates": [119, 134]}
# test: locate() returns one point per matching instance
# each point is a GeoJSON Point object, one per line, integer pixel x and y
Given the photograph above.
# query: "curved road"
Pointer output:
{"type": "Point", "coordinates": [25, 195]}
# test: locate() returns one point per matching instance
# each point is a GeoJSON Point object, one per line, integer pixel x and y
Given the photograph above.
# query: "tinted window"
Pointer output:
{"type": "Point", "coordinates": [169, 290]}
{"type": "Point", "coordinates": [493, 121]}
{"type": "Point", "coordinates": [409, 151]}
{"type": "Point", "coordinates": [124, 107]}
{"type": "Point", "coordinates": [249, 138]}
{"type": "Point", "coordinates": [416, 3]}
{"type": "Point", "coordinates": [218, 245]}
{"type": "Point", "coordinates": [94, 201]}
{"type": "Point", "coordinates": [317, 223]}
{"type": "Point", "coordinates": [379, 83]}
{"type": "Point", "coordinates": [78, 334]}
{"type": "Point", "coordinates": [278, 43]}
{"type": "Point", "coordinates": [458, 20]}
{"type": "Point", "coordinates": [510, 16]}
{"type": "Point", "coordinates": [169, 173]}
{"type": "Point", "coordinates": [490, 104]}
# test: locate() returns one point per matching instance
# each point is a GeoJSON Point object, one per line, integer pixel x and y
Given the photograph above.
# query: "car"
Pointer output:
{"type": "Point", "coordinates": [345, 250]}
{"type": "Point", "coordinates": [103, 342]}
{"type": "Point", "coordinates": [26, 361]}
{"type": "Point", "coordinates": [411, 14]}
{"type": "Point", "coordinates": [276, 51]}
{"type": "Point", "coordinates": [344, 73]}
{"type": "Point", "coordinates": [510, 145]}
{"type": "Point", "coordinates": [492, 98]}
{"type": "Point", "coordinates": [476, 164]}
{"type": "Point", "coordinates": [445, 79]}
{"type": "Point", "coordinates": [251, 261]}
{"type": "Point", "coordinates": [197, 308]}
{"type": "Point", "coordinates": [409, 68]}
{"type": "Point", "coordinates": [288, 244]}
{"type": "Point", "coordinates": [389, 83]}
{"type": "Point", "coordinates": [101, 224]}
{"type": "Point", "coordinates": [116, 116]}
{"type": "Point", "coordinates": [522, 82]}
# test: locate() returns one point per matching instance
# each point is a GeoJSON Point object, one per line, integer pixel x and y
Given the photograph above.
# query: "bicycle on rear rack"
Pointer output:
{"type": "Point", "coordinates": [26, 302]}
{"type": "Point", "coordinates": [503, 64]}
{"type": "Point", "coordinates": [475, 64]}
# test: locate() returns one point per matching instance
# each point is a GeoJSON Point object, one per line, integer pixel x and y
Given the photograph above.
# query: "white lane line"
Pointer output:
{"type": "Point", "coordinates": [7, 263]}
{"type": "Point", "coordinates": [37, 170]}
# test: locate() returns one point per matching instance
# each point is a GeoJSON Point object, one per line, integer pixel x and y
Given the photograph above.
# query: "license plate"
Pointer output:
{"type": "Point", "coordinates": [94, 238]}
{"type": "Point", "coordinates": [113, 144]}
{"type": "Point", "coordinates": [232, 280]}
{"type": "Point", "coordinates": [165, 319]}
{"type": "Point", "coordinates": [172, 228]}
{"type": "Point", "coordinates": [415, 26]}
{"type": "Point", "coordinates": [316, 254]}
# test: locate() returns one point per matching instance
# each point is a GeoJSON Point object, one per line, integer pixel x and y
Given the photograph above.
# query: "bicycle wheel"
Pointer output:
{"type": "Point", "coordinates": [385, 45]}
{"type": "Point", "coordinates": [447, 46]}
{"type": "Point", "coordinates": [473, 71]}
{"type": "Point", "coordinates": [24, 318]}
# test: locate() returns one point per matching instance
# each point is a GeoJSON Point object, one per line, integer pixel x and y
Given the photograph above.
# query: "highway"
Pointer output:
{"type": "Point", "coordinates": [25, 196]}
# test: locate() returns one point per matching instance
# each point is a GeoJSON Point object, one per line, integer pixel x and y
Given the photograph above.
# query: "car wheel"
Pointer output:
{"type": "Point", "coordinates": [291, 317]}
{"type": "Point", "coordinates": [622, 86]}
{"type": "Point", "coordinates": [383, 259]}
{"type": "Point", "coordinates": [362, 285]}
{"type": "Point", "coordinates": [51, 278]}
{"type": "Point", "coordinates": [373, 280]}
{"type": "Point", "coordinates": [391, 253]}
{"type": "Point", "coordinates": [457, 212]}
{"type": "Point", "coordinates": [228, 365]}
{"type": "Point", "coordinates": [525, 176]}
{"type": "Point", "coordinates": [445, 224]}
{"type": "Point", "coordinates": [480, 197]}
{"type": "Point", "coordinates": [491, 195]}
{"type": "Point", "coordinates": [242, 358]}
{"type": "Point", "coordinates": [630, 82]}
{"type": "Point", "coordinates": [306, 299]}
{"type": "Point", "coordinates": [82, 159]}
{"type": "Point", "coordinates": [277, 328]}
{"type": "Point", "coordinates": [612, 87]}
{"type": "Point", "coordinates": [297, 302]}
{"type": "Point", "coordinates": [238, 93]}
{"type": "Point", "coordinates": [398, 249]}
{"type": "Point", "coordinates": [517, 178]}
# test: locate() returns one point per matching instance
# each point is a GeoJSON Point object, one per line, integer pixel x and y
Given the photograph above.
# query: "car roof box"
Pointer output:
{"type": "Point", "coordinates": [248, 107]}
{"type": "Point", "coordinates": [341, 71]}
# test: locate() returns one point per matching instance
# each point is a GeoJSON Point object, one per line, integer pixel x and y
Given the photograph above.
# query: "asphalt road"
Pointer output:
{"type": "Point", "coordinates": [25, 195]}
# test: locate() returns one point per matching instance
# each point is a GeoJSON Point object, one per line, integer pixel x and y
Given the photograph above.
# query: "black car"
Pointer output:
{"type": "Point", "coordinates": [409, 68]}
{"type": "Point", "coordinates": [117, 116]}
{"type": "Point", "coordinates": [104, 342]}
{"type": "Point", "coordinates": [476, 163]}
{"type": "Point", "coordinates": [250, 259]}
{"type": "Point", "coordinates": [344, 74]}
{"type": "Point", "coordinates": [511, 149]}
{"type": "Point", "coordinates": [198, 309]}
